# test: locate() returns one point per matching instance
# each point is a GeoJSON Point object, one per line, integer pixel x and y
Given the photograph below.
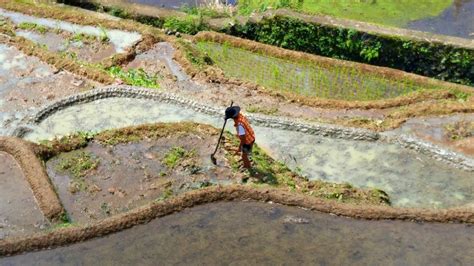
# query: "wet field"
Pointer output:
{"type": "Point", "coordinates": [409, 178]}
{"type": "Point", "coordinates": [457, 20]}
{"type": "Point", "coordinates": [19, 213]}
{"type": "Point", "coordinates": [243, 233]}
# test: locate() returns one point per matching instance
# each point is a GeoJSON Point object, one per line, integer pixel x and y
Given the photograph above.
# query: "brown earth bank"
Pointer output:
{"type": "Point", "coordinates": [144, 214]}
{"type": "Point", "coordinates": [35, 174]}
{"type": "Point", "coordinates": [19, 212]}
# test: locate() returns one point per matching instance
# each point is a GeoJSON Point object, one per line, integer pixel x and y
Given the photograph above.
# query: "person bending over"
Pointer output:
{"type": "Point", "coordinates": [244, 132]}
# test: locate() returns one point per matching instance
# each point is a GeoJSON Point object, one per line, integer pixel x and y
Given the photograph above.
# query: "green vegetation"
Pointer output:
{"type": "Point", "coordinates": [274, 173]}
{"type": "Point", "coordinates": [460, 130]}
{"type": "Point", "coordinates": [78, 163]}
{"type": "Point", "coordinates": [135, 77]}
{"type": "Point", "coordinates": [175, 155]}
{"type": "Point", "coordinates": [429, 59]}
{"type": "Point", "coordinates": [189, 24]}
{"type": "Point", "coordinates": [33, 26]}
{"type": "Point", "coordinates": [103, 37]}
{"type": "Point", "coordinates": [261, 110]}
{"type": "Point", "coordinates": [305, 78]}
{"type": "Point", "coordinates": [82, 37]}
{"type": "Point", "coordinates": [387, 12]}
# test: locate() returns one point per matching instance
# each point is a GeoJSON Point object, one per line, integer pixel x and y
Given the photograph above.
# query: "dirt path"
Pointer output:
{"type": "Point", "coordinates": [265, 234]}
{"type": "Point", "coordinates": [19, 213]}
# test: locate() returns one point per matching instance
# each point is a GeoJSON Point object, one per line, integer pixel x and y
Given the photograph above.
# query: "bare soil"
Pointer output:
{"type": "Point", "coordinates": [19, 212]}
{"type": "Point", "coordinates": [132, 174]}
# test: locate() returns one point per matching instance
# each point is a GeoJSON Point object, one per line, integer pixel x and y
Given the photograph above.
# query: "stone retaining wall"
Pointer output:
{"type": "Point", "coordinates": [260, 120]}
{"type": "Point", "coordinates": [454, 159]}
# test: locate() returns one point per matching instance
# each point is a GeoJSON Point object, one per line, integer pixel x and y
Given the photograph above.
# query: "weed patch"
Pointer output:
{"type": "Point", "coordinates": [175, 155]}
{"type": "Point", "coordinates": [78, 163]}
{"type": "Point", "coordinates": [460, 130]}
{"type": "Point", "coordinates": [135, 77]}
{"type": "Point", "coordinates": [33, 26]}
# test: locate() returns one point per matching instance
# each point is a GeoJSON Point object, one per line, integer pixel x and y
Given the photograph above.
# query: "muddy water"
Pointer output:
{"type": "Point", "coordinates": [19, 213]}
{"type": "Point", "coordinates": [120, 39]}
{"type": "Point", "coordinates": [264, 234]}
{"type": "Point", "coordinates": [457, 20]}
{"type": "Point", "coordinates": [26, 83]}
{"type": "Point", "coordinates": [93, 52]}
{"type": "Point", "coordinates": [411, 179]}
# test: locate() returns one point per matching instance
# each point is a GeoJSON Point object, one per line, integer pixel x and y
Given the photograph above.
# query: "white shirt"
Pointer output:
{"type": "Point", "coordinates": [240, 130]}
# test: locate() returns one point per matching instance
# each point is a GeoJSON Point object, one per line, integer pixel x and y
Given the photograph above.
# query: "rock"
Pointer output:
{"type": "Point", "coordinates": [111, 190]}
{"type": "Point", "coordinates": [295, 220]}
{"type": "Point", "coordinates": [77, 82]}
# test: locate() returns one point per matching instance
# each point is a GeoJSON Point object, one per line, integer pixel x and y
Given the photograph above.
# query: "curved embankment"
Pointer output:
{"type": "Point", "coordinates": [436, 89]}
{"type": "Point", "coordinates": [259, 233]}
{"type": "Point", "coordinates": [455, 159]}
{"type": "Point", "coordinates": [229, 193]}
{"type": "Point", "coordinates": [35, 174]}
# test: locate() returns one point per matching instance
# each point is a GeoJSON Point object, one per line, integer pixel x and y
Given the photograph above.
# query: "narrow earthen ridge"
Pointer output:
{"type": "Point", "coordinates": [143, 93]}
{"type": "Point", "coordinates": [35, 174]}
{"type": "Point", "coordinates": [452, 158]}
{"type": "Point", "coordinates": [153, 210]}
{"type": "Point", "coordinates": [383, 72]}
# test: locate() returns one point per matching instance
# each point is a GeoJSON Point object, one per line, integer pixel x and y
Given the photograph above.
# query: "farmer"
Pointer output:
{"type": "Point", "coordinates": [244, 132]}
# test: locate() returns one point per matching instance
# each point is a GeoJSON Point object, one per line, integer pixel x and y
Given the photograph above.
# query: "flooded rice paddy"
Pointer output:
{"type": "Point", "coordinates": [120, 39]}
{"type": "Point", "coordinates": [409, 178]}
{"type": "Point", "coordinates": [306, 78]}
{"type": "Point", "coordinates": [19, 213]}
{"type": "Point", "coordinates": [249, 233]}
{"type": "Point", "coordinates": [457, 20]}
{"type": "Point", "coordinates": [27, 83]}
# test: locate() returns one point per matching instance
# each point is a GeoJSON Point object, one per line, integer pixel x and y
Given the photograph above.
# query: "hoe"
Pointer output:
{"type": "Point", "coordinates": [213, 158]}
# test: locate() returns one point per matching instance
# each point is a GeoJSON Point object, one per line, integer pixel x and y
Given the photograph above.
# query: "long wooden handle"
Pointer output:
{"type": "Point", "coordinates": [222, 132]}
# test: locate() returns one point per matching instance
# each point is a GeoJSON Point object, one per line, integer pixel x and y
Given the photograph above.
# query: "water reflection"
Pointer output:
{"type": "Point", "coordinates": [457, 20]}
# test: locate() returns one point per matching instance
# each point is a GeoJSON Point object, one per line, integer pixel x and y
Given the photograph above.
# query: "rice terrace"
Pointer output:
{"type": "Point", "coordinates": [243, 132]}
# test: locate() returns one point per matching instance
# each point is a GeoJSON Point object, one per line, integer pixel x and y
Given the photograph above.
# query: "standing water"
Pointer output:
{"type": "Point", "coordinates": [409, 178]}
{"type": "Point", "coordinates": [457, 20]}
{"type": "Point", "coordinates": [252, 233]}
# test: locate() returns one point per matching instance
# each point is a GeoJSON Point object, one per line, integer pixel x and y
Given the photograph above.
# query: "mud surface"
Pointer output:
{"type": "Point", "coordinates": [410, 179]}
{"type": "Point", "coordinates": [457, 20]}
{"type": "Point", "coordinates": [130, 175]}
{"type": "Point", "coordinates": [120, 39]}
{"type": "Point", "coordinates": [265, 234]}
{"type": "Point", "coordinates": [27, 83]}
{"type": "Point", "coordinates": [434, 130]}
{"type": "Point", "coordinates": [89, 51]}
{"type": "Point", "coordinates": [19, 213]}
